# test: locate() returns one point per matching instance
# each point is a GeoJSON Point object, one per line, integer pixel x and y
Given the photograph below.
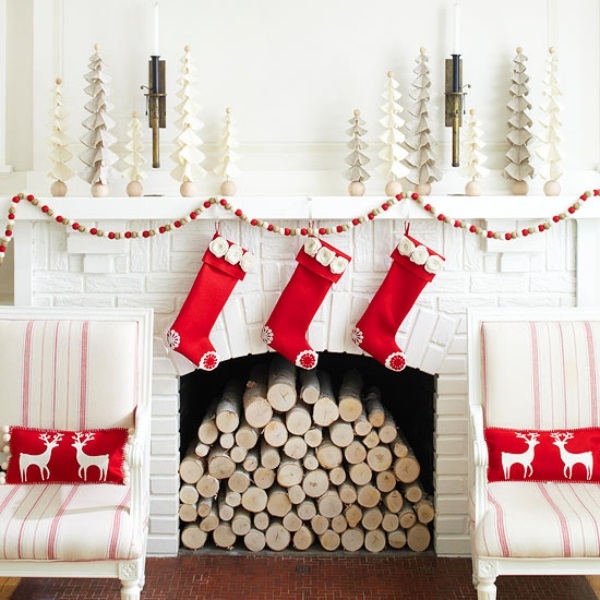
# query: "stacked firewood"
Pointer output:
{"type": "Point", "coordinates": [281, 462]}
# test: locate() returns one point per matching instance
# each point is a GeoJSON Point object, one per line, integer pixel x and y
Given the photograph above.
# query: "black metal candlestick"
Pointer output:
{"type": "Point", "coordinates": [156, 104]}
{"type": "Point", "coordinates": [454, 103]}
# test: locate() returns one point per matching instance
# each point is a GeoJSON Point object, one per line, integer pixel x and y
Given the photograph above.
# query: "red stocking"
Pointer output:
{"type": "Point", "coordinates": [319, 266]}
{"type": "Point", "coordinates": [414, 266]}
{"type": "Point", "coordinates": [225, 263]}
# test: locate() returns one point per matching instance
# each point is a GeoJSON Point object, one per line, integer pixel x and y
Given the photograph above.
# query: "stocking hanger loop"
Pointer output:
{"type": "Point", "coordinates": [311, 222]}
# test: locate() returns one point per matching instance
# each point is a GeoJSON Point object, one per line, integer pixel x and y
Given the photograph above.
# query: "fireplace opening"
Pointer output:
{"type": "Point", "coordinates": [256, 493]}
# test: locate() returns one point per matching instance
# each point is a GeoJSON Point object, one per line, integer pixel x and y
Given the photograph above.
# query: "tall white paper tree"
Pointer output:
{"type": "Point", "coordinates": [187, 156]}
{"type": "Point", "coordinates": [473, 157]}
{"type": "Point", "coordinates": [98, 157]}
{"type": "Point", "coordinates": [226, 167]}
{"type": "Point", "coordinates": [392, 167]}
{"type": "Point", "coordinates": [550, 149]}
{"type": "Point", "coordinates": [356, 174]}
{"type": "Point", "coordinates": [59, 154]}
{"type": "Point", "coordinates": [135, 158]}
{"type": "Point", "coordinates": [419, 139]}
{"type": "Point", "coordinates": [519, 168]}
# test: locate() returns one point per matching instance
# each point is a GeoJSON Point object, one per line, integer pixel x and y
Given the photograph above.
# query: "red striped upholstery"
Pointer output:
{"type": "Point", "coordinates": [52, 522]}
{"type": "Point", "coordinates": [541, 375]}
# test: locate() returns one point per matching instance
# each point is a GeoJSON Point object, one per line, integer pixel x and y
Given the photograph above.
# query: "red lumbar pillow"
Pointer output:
{"type": "Point", "coordinates": [59, 456]}
{"type": "Point", "coordinates": [565, 455]}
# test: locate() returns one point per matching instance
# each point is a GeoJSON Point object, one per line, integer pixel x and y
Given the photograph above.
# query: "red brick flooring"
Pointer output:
{"type": "Point", "coordinates": [238, 576]}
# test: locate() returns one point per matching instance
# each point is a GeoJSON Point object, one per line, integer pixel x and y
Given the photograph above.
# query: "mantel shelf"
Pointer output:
{"type": "Point", "coordinates": [318, 208]}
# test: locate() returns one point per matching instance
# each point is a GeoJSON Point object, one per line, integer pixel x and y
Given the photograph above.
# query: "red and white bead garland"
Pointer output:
{"type": "Point", "coordinates": [286, 231]}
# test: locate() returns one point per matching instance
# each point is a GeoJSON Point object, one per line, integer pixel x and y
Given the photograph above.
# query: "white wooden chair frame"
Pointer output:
{"type": "Point", "coordinates": [130, 572]}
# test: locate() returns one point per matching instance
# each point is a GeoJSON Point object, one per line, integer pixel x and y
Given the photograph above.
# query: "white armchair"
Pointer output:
{"type": "Point", "coordinates": [532, 373]}
{"type": "Point", "coordinates": [74, 370]}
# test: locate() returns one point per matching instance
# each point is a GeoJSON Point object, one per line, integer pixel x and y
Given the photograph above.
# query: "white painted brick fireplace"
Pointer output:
{"type": "Point", "coordinates": [55, 266]}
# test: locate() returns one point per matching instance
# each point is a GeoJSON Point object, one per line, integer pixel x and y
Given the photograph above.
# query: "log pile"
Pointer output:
{"type": "Point", "coordinates": [281, 462]}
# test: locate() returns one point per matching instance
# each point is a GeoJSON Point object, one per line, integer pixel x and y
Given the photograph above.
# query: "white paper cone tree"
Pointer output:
{"type": "Point", "coordinates": [421, 156]}
{"type": "Point", "coordinates": [550, 138]}
{"type": "Point", "coordinates": [59, 153]}
{"type": "Point", "coordinates": [473, 157]}
{"type": "Point", "coordinates": [519, 168]}
{"type": "Point", "coordinates": [226, 167]}
{"type": "Point", "coordinates": [98, 157]}
{"type": "Point", "coordinates": [187, 156]}
{"type": "Point", "coordinates": [393, 153]}
{"type": "Point", "coordinates": [356, 174]}
{"type": "Point", "coordinates": [135, 158]}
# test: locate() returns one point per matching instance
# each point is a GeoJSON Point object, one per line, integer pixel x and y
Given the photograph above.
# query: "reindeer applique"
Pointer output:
{"type": "Point", "coordinates": [570, 459]}
{"type": "Point", "coordinates": [39, 460]}
{"type": "Point", "coordinates": [522, 458]}
{"type": "Point", "coordinates": [86, 461]}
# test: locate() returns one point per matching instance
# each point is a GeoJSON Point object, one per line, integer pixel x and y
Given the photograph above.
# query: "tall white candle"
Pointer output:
{"type": "Point", "coordinates": [456, 47]}
{"type": "Point", "coordinates": [156, 52]}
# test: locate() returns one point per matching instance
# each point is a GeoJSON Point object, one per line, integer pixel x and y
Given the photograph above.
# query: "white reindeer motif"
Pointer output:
{"type": "Point", "coordinates": [523, 458]}
{"type": "Point", "coordinates": [40, 460]}
{"type": "Point", "coordinates": [88, 460]}
{"type": "Point", "coordinates": [571, 459]}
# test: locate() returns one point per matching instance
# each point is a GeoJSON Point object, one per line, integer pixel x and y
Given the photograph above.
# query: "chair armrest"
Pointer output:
{"type": "Point", "coordinates": [138, 459]}
{"type": "Point", "coordinates": [480, 460]}
{"type": "Point", "coordinates": [138, 440]}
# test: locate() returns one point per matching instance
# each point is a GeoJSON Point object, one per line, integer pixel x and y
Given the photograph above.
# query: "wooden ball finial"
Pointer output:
{"type": "Point", "coordinates": [552, 49]}
{"type": "Point", "coordinates": [356, 112]}
{"type": "Point", "coordinates": [422, 50]}
{"type": "Point", "coordinates": [58, 81]}
{"type": "Point", "coordinates": [228, 110]}
{"type": "Point", "coordinates": [472, 112]}
{"type": "Point", "coordinates": [135, 114]}
{"type": "Point", "coordinates": [390, 74]}
{"type": "Point", "coordinates": [519, 49]}
{"type": "Point", "coordinates": [96, 46]}
{"type": "Point", "coordinates": [187, 48]}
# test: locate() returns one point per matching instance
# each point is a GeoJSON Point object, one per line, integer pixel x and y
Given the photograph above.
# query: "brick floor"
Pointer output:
{"type": "Point", "coordinates": [238, 576]}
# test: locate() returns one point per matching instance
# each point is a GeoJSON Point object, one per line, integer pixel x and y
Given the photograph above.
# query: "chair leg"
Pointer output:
{"type": "Point", "coordinates": [486, 589]}
{"type": "Point", "coordinates": [130, 590]}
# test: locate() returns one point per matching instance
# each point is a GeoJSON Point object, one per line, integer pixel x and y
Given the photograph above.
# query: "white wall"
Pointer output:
{"type": "Point", "coordinates": [293, 73]}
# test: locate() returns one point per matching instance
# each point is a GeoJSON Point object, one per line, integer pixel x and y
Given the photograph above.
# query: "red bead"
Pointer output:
{"type": "Point", "coordinates": [207, 204]}
{"type": "Point", "coordinates": [45, 208]}
{"type": "Point", "coordinates": [59, 219]}
{"type": "Point", "coordinates": [583, 197]}
{"type": "Point", "coordinates": [339, 229]}
{"type": "Point", "coordinates": [2, 248]}
{"type": "Point", "coordinates": [541, 228]}
{"type": "Point", "coordinates": [525, 232]}
{"type": "Point", "coordinates": [385, 206]}
{"type": "Point", "coordinates": [355, 222]}
{"type": "Point", "coordinates": [93, 231]}
{"type": "Point", "coordinates": [270, 227]}
{"type": "Point", "coordinates": [414, 196]}
{"type": "Point", "coordinates": [399, 197]}
{"type": "Point", "coordinates": [490, 234]}
{"type": "Point", "coordinates": [596, 192]}
{"type": "Point", "coordinates": [111, 235]}
{"type": "Point", "coordinates": [571, 209]}
{"type": "Point", "coordinates": [457, 223]}
{"type": "Point", "coordinates": [16, 199]}
{"type": "Point", "coordinates": [30, 197]}
{"type": "Point", "coordinates": [238, 212]}
{"type": "Point", "coordinates": [11, 216]}
{"type": "Point", "coordinates": [508, 236]}
{"type": "Point", "coordinates": [287, 231]}
{"type": "Point", "coordinates": [75, 226]}
{"type": "Point", "coordinates": [128, 234]}
{"type": "Point", "coordinates": [322, 231]}
{"type": "Point", "coordinates": [145, 233]}
{"type": "Point", "coordinates": [427, 207]}
{"type": "Point", "coordinates": [177, 223]}
{"type": "Point", "coordinates": [253, 222]}
{"type": "Point", "coordinates": [371, 216]}
{"type": "Point", "coordinates": [472, 229]}
{"type": "Point", "coordinates": [222, 202]}
{"type": "Point", "coordinates": [8, 233]}
{"type": "Point", "coordinates": [161, 229]}
{"type": "Point", "coordinates": [441, 217]}
{"type": "Point", "coordinates": [193, 215]}
{"type": "Point", "coordinates": [304, 231]}
{"type": "Point", "coordinates": [556, 218]}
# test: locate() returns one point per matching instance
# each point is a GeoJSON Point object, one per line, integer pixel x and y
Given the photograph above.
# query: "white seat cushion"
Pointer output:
{"type": "Point", "coordinates": [67, 522]}
{"type": "Point", "coordinates": [540, 520]}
